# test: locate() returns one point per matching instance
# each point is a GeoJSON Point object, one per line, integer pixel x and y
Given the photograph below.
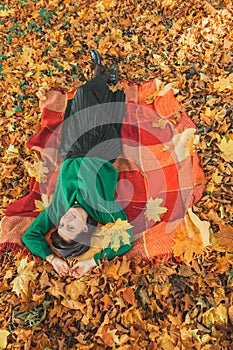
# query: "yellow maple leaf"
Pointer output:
{"type": "Point", "coordinates": [224, 83]}
{"type": "Point", "coordinates": [115, 234]}
{"type": "Point", "coordinates": [75, 289]}
{"type": "Point", "coordinates": [115, 337]}
{"type": "Point", "coordinates": [41, 205]}
{"type": "Point", "coordinates": [226, 147]}
{"type": "Point", "coordinates": [215, 315]}
{"type": "Point", "coordinates": [25, 275]}
{"type": "Point", "coordinates": [41, 93]}
{"type": "Point", "coordinates": [217, 178]}
{"type": "Point", "coordinates": [210, 187]}
{"type": "Point", "coordinates": [160, 123]}
{"type": "Point", "coordinates": [6, 12]}
{"type": "Point", "coordinates": [12, 150]}
{"type": "Point", "coordinates": [3, 338]}
{"type": "Point", "coordinates": [211, 113]}
{"type": "Point", "coordinates": [153, 209]}
{"type": "Point", "coordinates": [186, 247]}
{"type": "Point", "coordinates": [37, 170]}
{"type": "Point", "coordinates": [161, 90]}
{"type": "Point", "coordinates": [151, 97]}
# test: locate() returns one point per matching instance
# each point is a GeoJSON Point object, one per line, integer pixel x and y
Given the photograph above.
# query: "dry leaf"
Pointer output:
{"type": "Point", "coordinates": [115, 234]}
{"type": "Point", "coordinates": [75, 289]}
{"type": "Point", "coordinates": [41, 205]}
{"type": "Point", "coordinates": [160, 123]}
{"type": "Point", "coordinates": [37, 170]}
{"type": "Point", "coordinates": [223, 240]}
{"type": "Point", "coordinates": [215, 315]}
{"type": "Point", "coordinates": [187, 247]}
{"type": "Point", "coordinates": [25, 275]}
{"type": "Point", "coordinates": [128, 295]}
{"type": "Point", "coordinates": [226, 147]}
{"type": "Point", "coordinates": [161, 90]}
{"type": "Point", "coordinates": [3, 338]}
{"type": "Point", "coordinates": [153, 209]}
{"type": "Point", "coordinates": [224, 83]}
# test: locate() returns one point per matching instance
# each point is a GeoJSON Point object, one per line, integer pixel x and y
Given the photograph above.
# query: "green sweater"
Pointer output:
{"type": "Point", "coordinates": [90, 182]}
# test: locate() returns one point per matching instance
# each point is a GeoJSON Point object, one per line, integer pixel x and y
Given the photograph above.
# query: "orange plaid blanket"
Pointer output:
{"type": "Point", "coordinates": [159, 173]}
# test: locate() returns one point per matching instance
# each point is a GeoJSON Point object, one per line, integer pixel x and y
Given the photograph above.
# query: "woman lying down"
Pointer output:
{"type": "Point", "coordinates": [86, 183]}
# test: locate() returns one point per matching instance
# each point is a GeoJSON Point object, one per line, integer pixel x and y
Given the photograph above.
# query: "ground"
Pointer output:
{"type": "Point", "coordinates": [122, 305]}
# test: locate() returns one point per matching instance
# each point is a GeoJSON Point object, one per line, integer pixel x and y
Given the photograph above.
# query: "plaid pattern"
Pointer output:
{"type": "Point", "coordinates": [158, 161]}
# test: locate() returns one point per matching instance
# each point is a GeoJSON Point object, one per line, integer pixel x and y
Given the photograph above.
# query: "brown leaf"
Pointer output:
{"type": "Point", "coordinates": [124, 267]}
{"type": "Point", "coordinates": [107, 300]}
{"type": "Point", "coordinates": [57, 289]}
{"type": "Point", "coordinates": [128, 295]}
{"type": "Point", "coordinates": [73, 304]}
{"type": "Point", "coordinates": [75, 289]}
{"type": "Point", "coordinates": [112, 269]}
{"type": "Point", "coordinates": [223, 239]}
{"type": "Point", "coordinates": [44, 280]}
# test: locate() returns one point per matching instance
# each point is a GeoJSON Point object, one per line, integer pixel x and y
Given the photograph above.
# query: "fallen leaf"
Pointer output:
{"type": "Point", "coordinates": [3, 338]}
{"type": "Point", "coordinates": [128, 295]}
{"type": "Point", "coordinates": [107, 301]}
{"type": "Point", "coordinates": [153, 209]}
{"type": "Point", "coordinates": [224, 83]}
{"type": "Point", "coordinates": [44, 203]}
{"type": "Point", "coordinates": [186, 247]}
{"type": "Point", "coordinates": [75, 289]}
{"type": "Point", "coordinates": [73, 304]}
{"type": "Point", "coordinates": [115, 234]}
{"type": "Point", "coordinates": [25, 275]}
{"type": "Point", "coordinates": [37, 170]}
{"type": "Point", "coordinates": [223, 239]}
{"type": "Point", "coordinates": [215, 315]}
{"type": "Point", "coordinates": [226, 147]}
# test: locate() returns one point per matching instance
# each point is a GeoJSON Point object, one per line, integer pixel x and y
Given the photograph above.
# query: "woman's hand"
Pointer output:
{"type": "Point", "coordinates": [82, 267]}
{"type": "Point", "coordinates": [59, 265]}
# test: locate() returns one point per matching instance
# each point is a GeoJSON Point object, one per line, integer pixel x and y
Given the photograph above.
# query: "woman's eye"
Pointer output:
{"type": "Point", "coordinates": [70, 227]}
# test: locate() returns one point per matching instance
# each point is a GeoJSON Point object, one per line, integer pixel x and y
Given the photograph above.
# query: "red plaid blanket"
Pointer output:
{"type": "Point", "coordinates": [158, 163]}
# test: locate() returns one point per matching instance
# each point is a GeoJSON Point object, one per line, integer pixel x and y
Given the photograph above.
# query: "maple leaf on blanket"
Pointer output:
{"type": "Point", "coordinates": [41, 205]}
{"type": "Point", "coordinates": [161, 90]}
{"type": "Point", "coordinates": [37, 170]}
{"type": "Point", "coordinates": [115, 234]}
{"type": "Point", "coordinates": [25, 276]}
{"type": "Point", "coordinates": [153, 209]}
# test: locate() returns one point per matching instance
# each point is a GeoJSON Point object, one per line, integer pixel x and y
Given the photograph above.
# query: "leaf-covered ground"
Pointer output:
{"type": "Point", "coordinates": [123, 305]}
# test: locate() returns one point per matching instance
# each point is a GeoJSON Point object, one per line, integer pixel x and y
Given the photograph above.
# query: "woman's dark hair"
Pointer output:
{"type": "Point", "coordinates": [76, 247]}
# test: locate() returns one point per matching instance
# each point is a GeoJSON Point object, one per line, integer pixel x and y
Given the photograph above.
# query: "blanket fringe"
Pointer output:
{"type": "Point", "coordinates": [9, 247]}
{"type": "Point", "coordinates": [14, 248]}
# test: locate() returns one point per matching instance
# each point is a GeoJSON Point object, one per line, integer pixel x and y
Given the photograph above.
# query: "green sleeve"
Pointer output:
{"type": "Point", "coordinates": [34, 236]}
{"type": "Point", "coordinates": [110, 253]}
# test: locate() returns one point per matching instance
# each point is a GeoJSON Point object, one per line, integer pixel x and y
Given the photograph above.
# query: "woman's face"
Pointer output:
{"type": "Point", "coordinates": [72, 223]}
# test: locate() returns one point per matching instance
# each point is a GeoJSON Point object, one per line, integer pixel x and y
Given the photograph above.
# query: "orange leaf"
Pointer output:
{"type": "Point", "coordinates": [128, 295]}
{"type": "Point", "coordinates": [107, 301]}
{"type": "Point", "coordinates": [106, 337]}
{"type": "Point", "coordinates": [112, 270]}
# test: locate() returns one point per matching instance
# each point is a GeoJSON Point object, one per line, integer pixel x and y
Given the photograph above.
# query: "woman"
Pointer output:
{"type": "Point", "coordinates": [86, 183]}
